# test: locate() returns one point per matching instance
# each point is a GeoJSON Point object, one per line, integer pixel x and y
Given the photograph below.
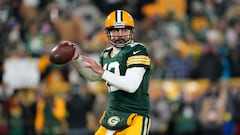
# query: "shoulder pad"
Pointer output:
{"type": "Point", "coordinates": [107, 49]}
{"type": "Point", "coordinates": [135, 44]}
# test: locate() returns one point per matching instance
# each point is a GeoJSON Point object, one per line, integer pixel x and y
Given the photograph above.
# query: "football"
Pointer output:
{"type": "Point", "coordinates": [62, 53]}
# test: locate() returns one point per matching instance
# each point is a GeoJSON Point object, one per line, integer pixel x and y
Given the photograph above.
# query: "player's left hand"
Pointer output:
{"type": "Point", "coordinates": [92, 64]}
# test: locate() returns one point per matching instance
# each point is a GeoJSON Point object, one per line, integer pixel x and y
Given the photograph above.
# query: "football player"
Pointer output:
{"type": "Point", "coordinates": [126, 68]}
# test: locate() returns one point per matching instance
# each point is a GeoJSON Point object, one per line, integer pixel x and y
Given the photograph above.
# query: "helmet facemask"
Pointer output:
{"type": "Point", "coordinates": [120, 41]}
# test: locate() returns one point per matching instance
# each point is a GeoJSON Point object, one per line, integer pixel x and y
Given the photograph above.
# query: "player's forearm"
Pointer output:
{"type": "Point", "coordinates": [129, 83]}
{"type": "Point", "coordinates": [86, 72]}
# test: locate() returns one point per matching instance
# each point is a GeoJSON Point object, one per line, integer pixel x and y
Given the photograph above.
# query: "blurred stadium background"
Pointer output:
{"type": "Point", "coordinates": [194, 45]}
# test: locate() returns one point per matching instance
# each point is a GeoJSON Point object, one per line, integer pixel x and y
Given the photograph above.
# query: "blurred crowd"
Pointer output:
{"type": "Point", "coordinates": [194, 46]}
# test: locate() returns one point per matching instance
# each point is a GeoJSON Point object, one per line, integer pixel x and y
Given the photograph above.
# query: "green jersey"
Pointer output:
{"type": "Point", "coordinates": [132, 55]}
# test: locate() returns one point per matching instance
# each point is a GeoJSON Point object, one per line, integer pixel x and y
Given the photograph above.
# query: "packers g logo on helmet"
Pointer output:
{"type": "Point", "coordinates": [119, 19]}
{"type": "Point", "coordinates": [113, 121]}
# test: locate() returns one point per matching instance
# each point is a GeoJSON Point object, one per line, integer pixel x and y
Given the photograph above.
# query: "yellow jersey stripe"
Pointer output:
{"type": "Point", "coordinates": [139, 61]}
{"type": "Point", "coordinates": [139, 57]}
{"type": "Point", "coordinates": [144, 63]}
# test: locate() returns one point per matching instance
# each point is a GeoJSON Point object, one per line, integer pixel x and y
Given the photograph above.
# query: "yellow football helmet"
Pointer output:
{"type": "Point", "coordinates": [119, 19]}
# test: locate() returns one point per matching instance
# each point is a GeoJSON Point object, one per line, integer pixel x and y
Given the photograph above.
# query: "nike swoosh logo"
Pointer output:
{"type": "Point", "coordinates": [135, 52]}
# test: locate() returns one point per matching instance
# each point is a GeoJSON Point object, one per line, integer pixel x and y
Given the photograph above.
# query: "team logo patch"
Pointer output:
{"type": "Point", "coordinates": [105, 55]}
{"type": "Point", "coordinates": [113, 121]}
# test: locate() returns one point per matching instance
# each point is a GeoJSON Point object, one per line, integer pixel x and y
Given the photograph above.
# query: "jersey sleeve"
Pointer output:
{"type": "Point", "coordinates": [138, 57]}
